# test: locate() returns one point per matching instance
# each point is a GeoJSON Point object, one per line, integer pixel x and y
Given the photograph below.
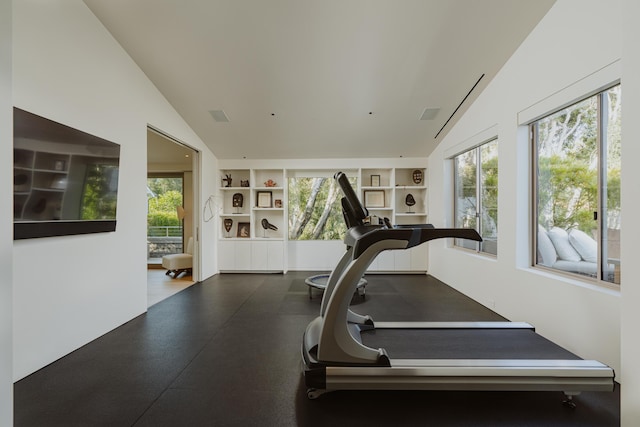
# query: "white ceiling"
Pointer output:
{"type": "Point", "coordinates": [324, 78]}
{"type": "Point", "coordinates": [165, 155]}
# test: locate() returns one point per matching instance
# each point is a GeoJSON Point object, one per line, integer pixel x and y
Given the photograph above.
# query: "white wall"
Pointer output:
{"type": "Point", "coordinates": [576, 39]}
{"type": "Point", "coordinates": [630, 319]}
{"type": "Point", "coordinates": [70, 290]}
{"type": "Point", "coordinates": [6, 218]}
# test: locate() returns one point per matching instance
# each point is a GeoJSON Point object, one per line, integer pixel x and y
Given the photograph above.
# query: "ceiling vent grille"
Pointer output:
{"type": "Point", "coordinates": [219, 116]}
{"type": "Point", "coordinates": [429, 113]}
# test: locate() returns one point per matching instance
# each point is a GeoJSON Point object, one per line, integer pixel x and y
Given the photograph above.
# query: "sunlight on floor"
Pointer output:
{"type": "Point", "coordinates": [160, 286]}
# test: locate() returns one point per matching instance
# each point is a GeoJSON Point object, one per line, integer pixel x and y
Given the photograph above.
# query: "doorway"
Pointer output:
{"type": "Point", "coordinates": [172, 212]}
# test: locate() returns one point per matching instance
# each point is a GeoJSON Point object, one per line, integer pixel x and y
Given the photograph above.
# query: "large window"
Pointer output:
{"type": "Point", "coordinates": [315, 212]}
{"type": "Point", "coordinates": [476, 200]}
{"type": "Point", "coordinates": [577, 187]}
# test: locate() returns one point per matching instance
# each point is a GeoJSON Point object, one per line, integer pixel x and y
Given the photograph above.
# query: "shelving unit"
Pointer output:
{"type": "Point", "coordinates": [247, 245]}
{"type": "Point", "coordinates": [264, 197]}
{"type": "Point", "coordinates": [397, 186]}
{"type": "Point", "coordinates": [406, 186]}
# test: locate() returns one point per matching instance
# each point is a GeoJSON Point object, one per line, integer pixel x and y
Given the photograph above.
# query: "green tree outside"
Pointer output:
{"type": "Point", "coordinates": [162, 211]}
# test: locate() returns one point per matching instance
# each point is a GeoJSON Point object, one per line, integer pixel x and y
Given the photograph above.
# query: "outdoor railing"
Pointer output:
{"type": "Point", "coordinates": [164, 231]}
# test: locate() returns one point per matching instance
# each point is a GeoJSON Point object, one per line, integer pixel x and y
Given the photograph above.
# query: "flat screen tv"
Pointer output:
{"type": "Point", "coordinates": [65, 181]}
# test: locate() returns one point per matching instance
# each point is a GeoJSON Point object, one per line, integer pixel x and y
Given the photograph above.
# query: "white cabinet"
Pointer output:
{"type": "Point", "coordinates": [252, 222]}
{"type": "Point", "coordinates": [412, 260]}
{"type": "Point", "coordinates": [250, 255]}
{"type": "Point", "coordinates": [267, 255]}
{"type": "Point", "coordinates": [234, 255]}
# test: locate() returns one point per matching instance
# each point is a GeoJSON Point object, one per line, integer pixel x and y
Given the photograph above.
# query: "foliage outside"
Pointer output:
{"type": "Point", "coordinates": [315, 212]}
{"type": "Point", "coordinates": [167, 196]}
{"type": "Point", "coordinates": [467, 184]}
{"type": "Point", "coordinates": [568, 162]}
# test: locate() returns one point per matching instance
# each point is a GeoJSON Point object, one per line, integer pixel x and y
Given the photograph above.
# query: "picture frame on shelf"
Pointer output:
{"type": "Point", "coordinates": [375, 180]}
{"type": "Point", "coordinates": [374, 199]}
{"type": "Point", "coordinates": [277, 203]}
{"type": "Point", "coordinates": [244, 230]}
{"type": "Point", "coordinates": [264, 199]}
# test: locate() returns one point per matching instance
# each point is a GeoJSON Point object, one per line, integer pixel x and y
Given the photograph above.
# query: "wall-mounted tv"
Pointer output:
{"type": "Point", "coordinates": [65, 181]}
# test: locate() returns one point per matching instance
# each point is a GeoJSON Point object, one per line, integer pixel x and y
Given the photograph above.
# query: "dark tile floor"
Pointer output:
{"type": "Point", "coordinates": [226, 352]}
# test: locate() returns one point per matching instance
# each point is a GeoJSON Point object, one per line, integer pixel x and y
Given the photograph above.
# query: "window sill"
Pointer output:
{"type": "Point", "coordinates": [575, 280]}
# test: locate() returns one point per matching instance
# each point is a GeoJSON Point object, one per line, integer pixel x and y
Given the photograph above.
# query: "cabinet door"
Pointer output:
{"type": "Point", "coordinates": [226, 255]}
{"type": "Point", "coordinates": [383, 262]}
{"type": "Point", "coordinates": [242, 254]}
{"type": "Point", "coordinates": [259, 255]}
{"type": "Point", "coordinates": [402, 260]}
{"type": "Point", "coordinates": [419, 257]}
{"type": "Point", "coordinates": [275, 254]}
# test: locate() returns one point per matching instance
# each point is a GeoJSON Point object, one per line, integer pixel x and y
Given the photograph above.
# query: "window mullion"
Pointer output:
{"type": "Point", "coordinates": [479, 196]}
{"type": "Point", "coordinates": [603, 119]}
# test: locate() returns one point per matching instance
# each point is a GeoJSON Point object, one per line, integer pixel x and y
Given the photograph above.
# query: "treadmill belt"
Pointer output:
{"type": "Point", "coordinates": [464, 344]}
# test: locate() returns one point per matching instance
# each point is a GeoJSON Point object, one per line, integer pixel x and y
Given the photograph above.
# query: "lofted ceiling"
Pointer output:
{"type": "Point", "coordinates": [324, 78]}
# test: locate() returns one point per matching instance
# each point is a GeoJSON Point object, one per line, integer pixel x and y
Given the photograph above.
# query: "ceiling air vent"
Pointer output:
{"type": "Point", "coordinates": [219, 115]}
{"type": "Point", "coordinates": [429, 113]}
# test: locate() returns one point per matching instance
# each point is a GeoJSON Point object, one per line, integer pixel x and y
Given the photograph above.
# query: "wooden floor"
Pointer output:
{"type": "Point", "coordinates": [160, 286]}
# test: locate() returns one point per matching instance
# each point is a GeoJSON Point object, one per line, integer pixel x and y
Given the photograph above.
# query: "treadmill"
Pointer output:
{"type": "Point", "coordinates": [344, 350]}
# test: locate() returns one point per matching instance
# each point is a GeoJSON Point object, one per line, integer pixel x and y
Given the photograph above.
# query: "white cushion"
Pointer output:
{"type": "Point", "coordinates": [585, 245]}
{"type": "Point", "coordinates": [546, 250]}
{"type": "Point", "coordinates": [177, 261]}
{"type": "Point", "coordinates": [560, 239]}
{"type": "Point", "coordinates": [582, 267]}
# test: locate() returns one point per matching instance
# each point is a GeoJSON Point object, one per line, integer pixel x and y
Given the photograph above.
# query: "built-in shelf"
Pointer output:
{"type": "Point", "coordinates": [261, 194]}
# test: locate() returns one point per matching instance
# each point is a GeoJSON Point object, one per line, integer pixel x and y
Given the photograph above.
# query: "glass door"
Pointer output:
{"type": "Point", "coordinates": [165, 216]}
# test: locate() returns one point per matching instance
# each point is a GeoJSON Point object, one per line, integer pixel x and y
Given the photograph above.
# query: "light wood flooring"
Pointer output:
{"type": "Point", "coordinates": [160, 286]}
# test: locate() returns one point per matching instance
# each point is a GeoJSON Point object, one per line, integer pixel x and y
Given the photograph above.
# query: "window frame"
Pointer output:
{"type": "Point", "coordinates": [601, 196]}
{"type": "Point", "coordinates": [296, 174]}
{"type": "Point", "coordinates": [478, 247]}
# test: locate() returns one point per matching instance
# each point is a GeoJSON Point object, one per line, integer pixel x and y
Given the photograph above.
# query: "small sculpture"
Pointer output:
{"type": "Point", "coordinates": [417, 176]}
{"type": "Point", "coordinates": [228, 223]}
{"type": "Point", "coordinates": [270, 183]}
{"type": "Point", "coordinates": [409, 201]}
{"type": "Point", "coordinates": [266, 225]}
{"type": "Point", "coordinates": [244, 183]}
{"type": "Point", "coordinates": [227, 179]}
{"type": "Point", "coordinates": [238, 200]}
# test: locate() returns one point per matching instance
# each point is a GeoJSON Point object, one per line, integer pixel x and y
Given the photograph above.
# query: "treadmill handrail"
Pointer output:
{"type": "Point", "coordinates": [363, 236]}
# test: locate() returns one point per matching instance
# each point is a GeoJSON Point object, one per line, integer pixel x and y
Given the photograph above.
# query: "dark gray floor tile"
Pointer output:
{"type": "Point", "coordinates": [226, 352]}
